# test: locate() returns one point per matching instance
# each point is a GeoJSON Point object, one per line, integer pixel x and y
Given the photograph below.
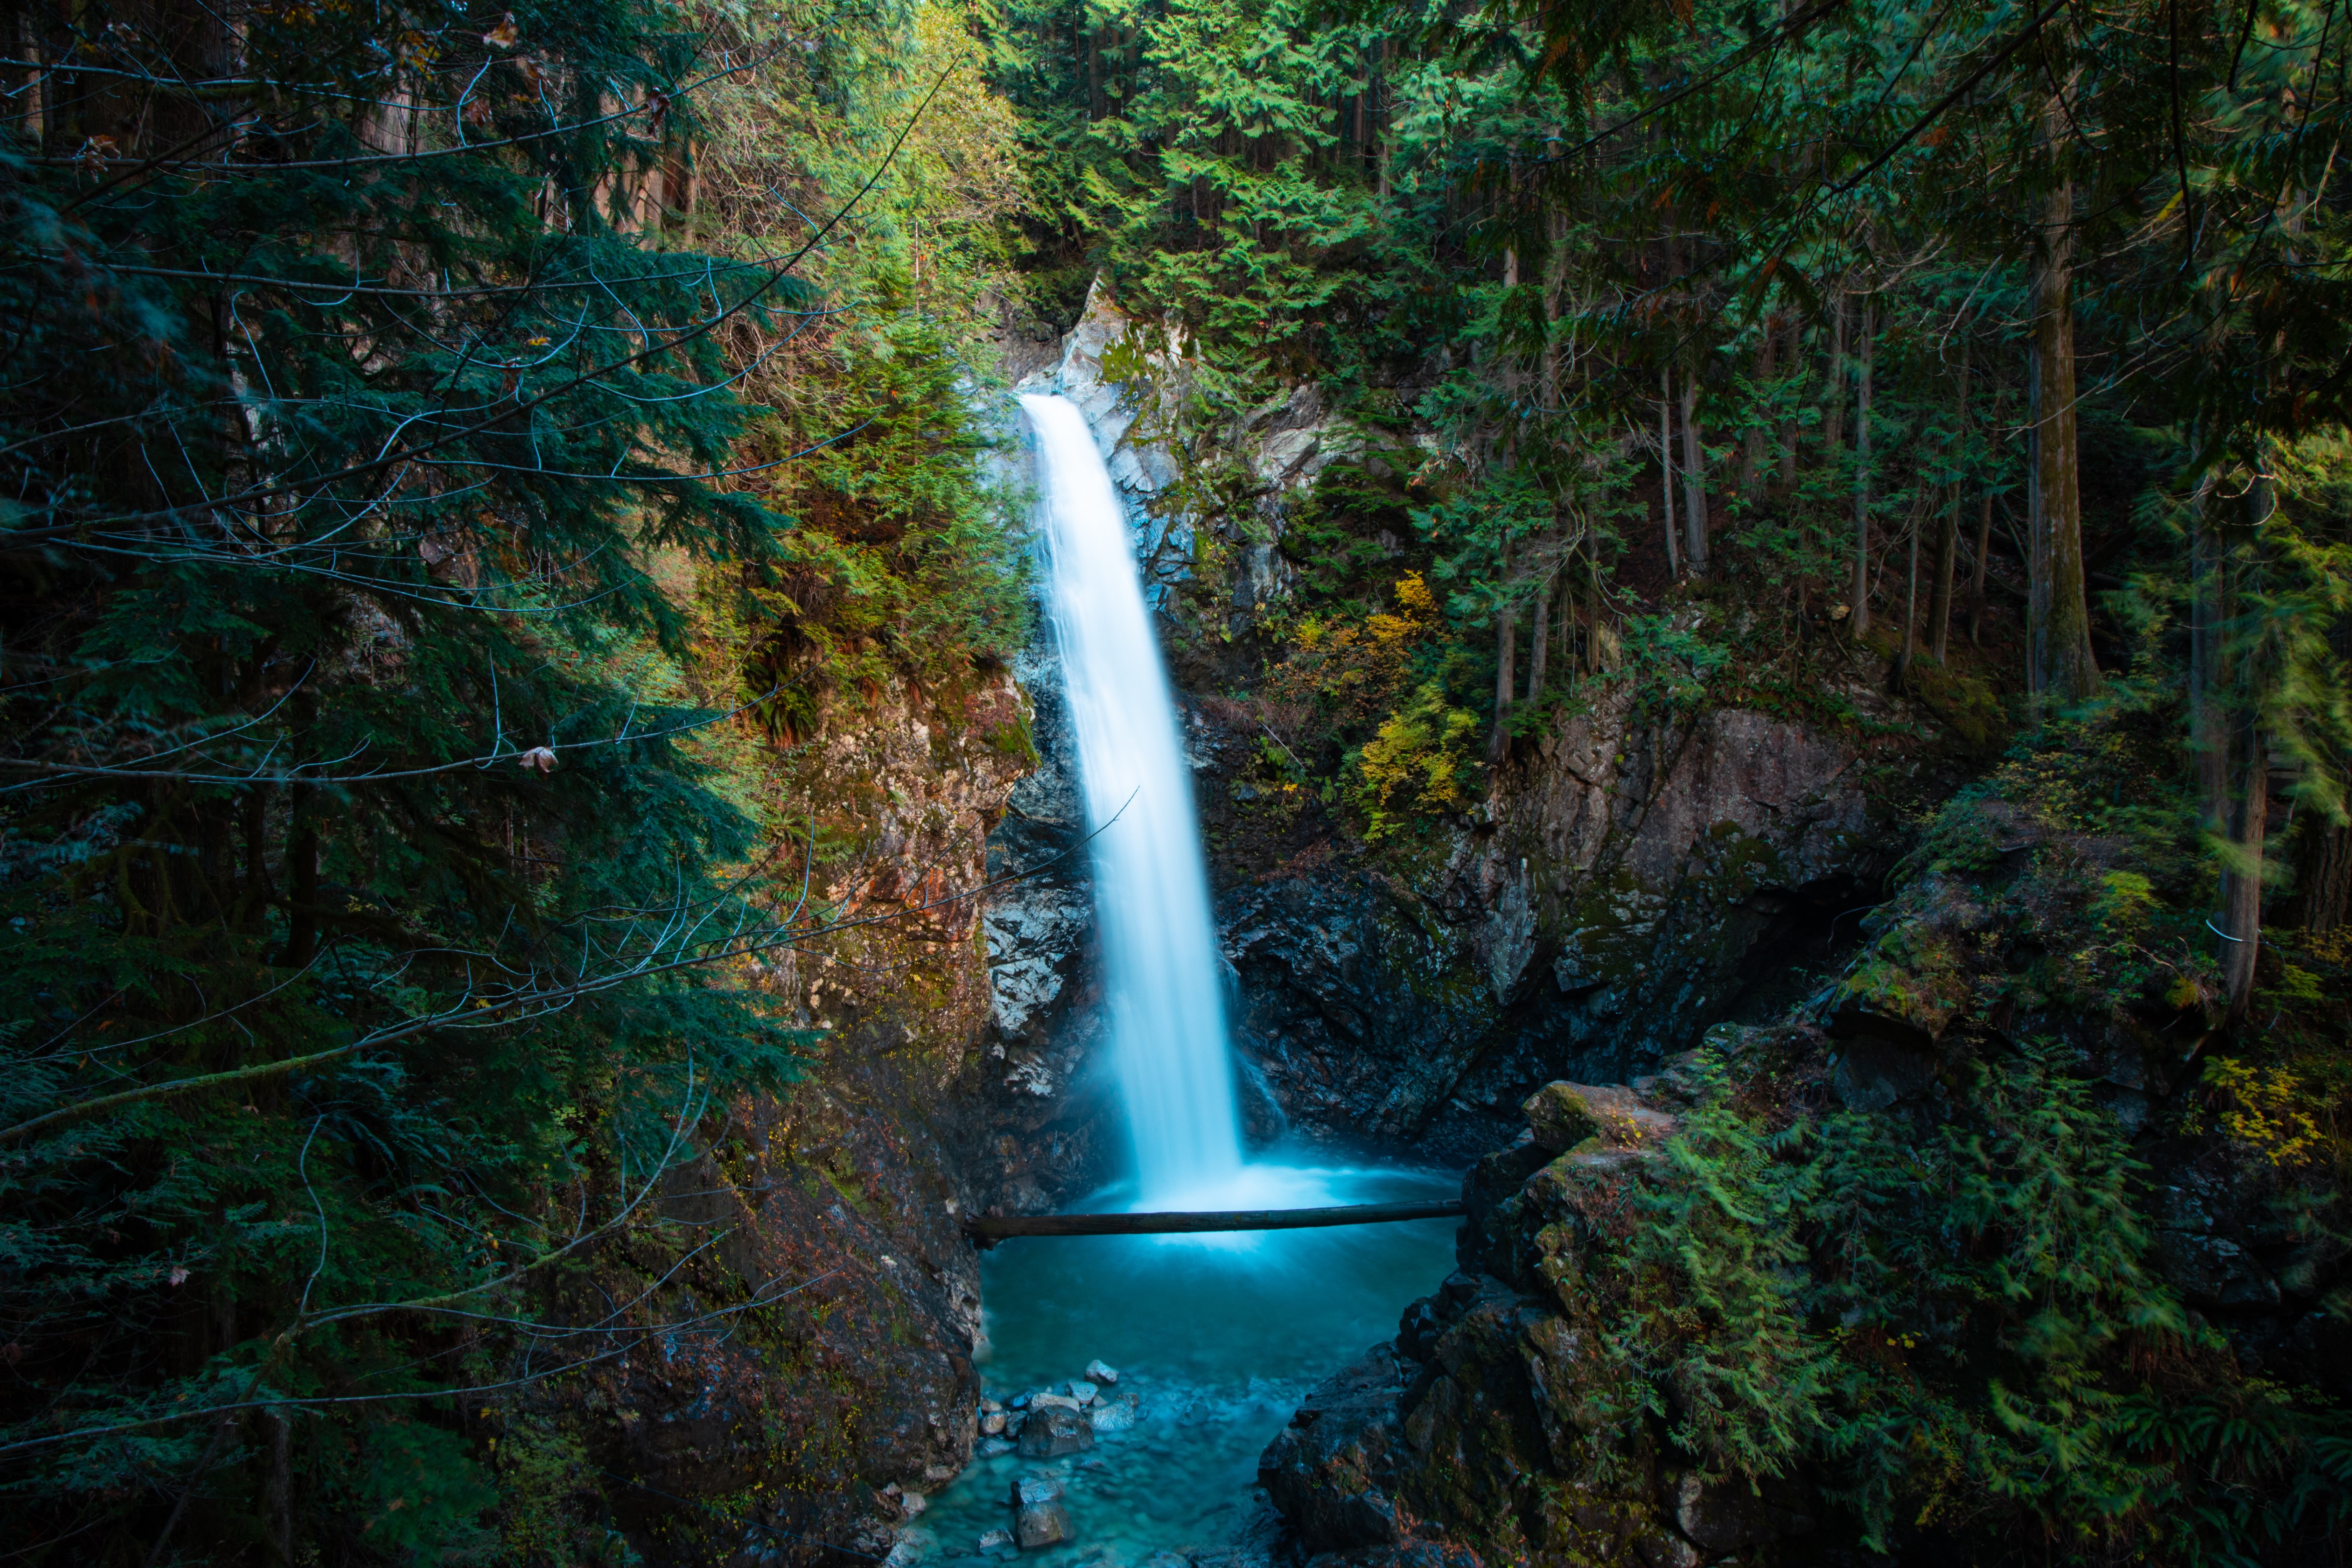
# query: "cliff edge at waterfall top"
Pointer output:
{"type": "Point", "coordinates": [658, 658]}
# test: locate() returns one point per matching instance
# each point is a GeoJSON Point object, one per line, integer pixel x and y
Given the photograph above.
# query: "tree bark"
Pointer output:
{"type": "Point", "coordinates": [2241, 876]}
{"type": "Point", "coordinates": [1795, 330]}
{"type": "Point", "coordinates": [2209, 735]}
{"type": "Point", "coordinates": [1694, 480]}
{"type": "Point", "coordinates": [2060, 663]}
{"type": "Point", "coordinates": [2324, 881]}
{"type": "Point", "coordinates": [1833, 415]}
{"type": "Point", "coordinates": [1540, 642]}
{"type": "Point", "coordinates": [1751, 455]}
{"type": "Point", "coordinates": [1976, 572]}
{"type": "Point", "coordinates": [1506, 647]}
{"type": "Point", "coordinates": [1861, 588]}
{"type": "Point", "coordinates": [1948, 541]}
{"type": "Point", "coordinates": [1666, 466]}
{"type": "Point", "coordinates": [1910, 611]}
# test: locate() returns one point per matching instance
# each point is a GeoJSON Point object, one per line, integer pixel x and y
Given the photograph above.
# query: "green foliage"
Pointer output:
{"type": "Point", "coordinates": [1717, 1316]}
{"type": "Point", "coordinates": [1964, 1332]}
{"type": "Point", "coordinates": [381, 861]}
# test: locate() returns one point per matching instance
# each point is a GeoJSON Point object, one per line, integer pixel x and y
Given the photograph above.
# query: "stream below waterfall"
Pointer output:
{"type": "Point", "coordinates": [1219, 1338]}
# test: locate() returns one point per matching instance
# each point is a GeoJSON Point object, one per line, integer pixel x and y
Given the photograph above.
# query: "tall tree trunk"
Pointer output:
{"type": "Point", "coordinates": [2324, 881]}
{"type": "Point", "coordinates": [2059, 659]}
{"type": "Point", "coordinates": [1834, 413]}
{"type": "Point", "coordinates": [1751, 452]}
{"type": "Point", "coordinates": [1948, 539]}
{"type": "Point", "coordinates": [1976, 570]}
{"type": "Point", "coordinates": [1666, 466]}
{"type": "Point", "coordinates": [1506, 648]}
{"type": "Point", "coordinates": [1540, 642]}
{"type": "Point", "coordinates": [2209, 731]}
{"type": "Point", "coordinates": [2241, 875]}
{"type": "Point", "coordinates": [1694, 479]}
{"type": "Point", "coordinates": [1910, 610]}
{"type": "Point", "coordinates": [1795, 330]}
{"type": "Point", "coordinates": [1861, 588]}
{"type": "Point", "coordinates": [1939, 589]}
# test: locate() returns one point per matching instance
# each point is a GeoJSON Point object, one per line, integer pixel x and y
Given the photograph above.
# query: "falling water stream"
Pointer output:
{"type": "Point", "coordinates": [1151, 898]}
{"type": "Point", "coordinates": [1216, 1338]}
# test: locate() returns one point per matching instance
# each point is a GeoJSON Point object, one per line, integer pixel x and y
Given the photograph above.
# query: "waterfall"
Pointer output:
{"type": "Point", "coordinates": [1165, 1006]}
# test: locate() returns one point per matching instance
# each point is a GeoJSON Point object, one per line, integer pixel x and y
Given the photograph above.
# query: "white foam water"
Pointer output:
{"type": "Point", "coordinates": [1164, 1004]}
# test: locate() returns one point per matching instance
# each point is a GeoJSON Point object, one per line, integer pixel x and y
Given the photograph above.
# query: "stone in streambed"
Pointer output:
{"type": "Point", "coordinates": [1055, 1401]}
{"type": "Point", "coordinates": [1113, 1414]}
{"type": "Point", "coordinates": [1045, 1524]}
{"type": "Point", "coordinates": [1099, 1373]}
{"type": "Point", "coordinates": [1054, 1430]}
{"type": "Point", "coordinates": [1084, 1393]}
{"type": "Point", "coordinates": [995, 1540]}
{"type": "Point", "coordinates": [991, 1447]}
{"type": "Point", "coordinates": [1039, 1518]}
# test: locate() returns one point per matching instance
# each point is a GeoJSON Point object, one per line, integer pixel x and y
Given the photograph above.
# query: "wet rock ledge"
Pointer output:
{"type": "Point", "coordinates": [1487, 1430]}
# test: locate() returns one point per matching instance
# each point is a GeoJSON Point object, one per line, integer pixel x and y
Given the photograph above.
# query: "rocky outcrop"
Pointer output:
{"type": "Point", "coordinates": [1625, 885]}
{"type": "Point", "coordinates": [817, 1377]}
{"type": "Point", "coordinates": [1497, 1424]}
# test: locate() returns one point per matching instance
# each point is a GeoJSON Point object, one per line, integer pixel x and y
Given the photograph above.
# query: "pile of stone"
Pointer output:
{"type": "Point", "coordinates": [1049, 1423]}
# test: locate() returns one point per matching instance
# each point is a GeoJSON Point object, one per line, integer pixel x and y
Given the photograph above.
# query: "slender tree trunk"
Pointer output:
{"type": "Point", "coordinates": [2324, 881]}
{"type": "Point", "coordinates": [2241, 877]}
{"type": "Point", "coordinates": [1540, 642]}
{"type": "Point", "coordinates": [2059, 655]}
{"type": "Point", "coordinates": [1948, 539]}
{"type": "Point", "coordinates": [1976, 572]}
{"type": "Point", "coordinates": [1833, 413]}
{"type": "Point", "coordinates": [1940, 587]}
{"type": "Point", "coordinates": [1910, 611]}
{"type": "Point", "coordinates": [302, 849]}
{"type": "Point", "coordinates": [2208, 734]}
{"type": "Point", "coordinates": [1752, 453]}
{"type": "Point", "coordinates": [1694, 479]}
{"type": "Point", "coordinates": [1861, 589]}
{"type": "Point", "coordinates": [1795, 330]}
{"type": "Point", "coordinates": [1506, 648]}
{"type": "Point", "coordinates": [1666, 466]}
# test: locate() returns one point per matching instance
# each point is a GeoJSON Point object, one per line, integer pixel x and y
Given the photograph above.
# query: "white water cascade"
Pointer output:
{"type": "Point", "coordinates": [1165, 1006]}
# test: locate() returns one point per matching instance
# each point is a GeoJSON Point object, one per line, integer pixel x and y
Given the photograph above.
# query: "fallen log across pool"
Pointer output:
{"type": "Point", "coordinates": [987, 1230]}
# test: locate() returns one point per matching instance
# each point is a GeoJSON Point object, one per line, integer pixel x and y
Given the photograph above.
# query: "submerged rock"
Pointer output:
{"type": "Point", "coordinates": [992, 1423]}
{"type": "Point", "coordinates": [1099, 1373]}
{"type": "Point", "coordinates": [1042, 1525]}
{"type": "Point", "coordinates": [1084, 1393]}
{"type": "Point", "coordinates": [995, 1540]}
{"type": "Point", "coordinates": [1054, 1430]}
{"type": "Point", "coordinates": [1113, 1414]}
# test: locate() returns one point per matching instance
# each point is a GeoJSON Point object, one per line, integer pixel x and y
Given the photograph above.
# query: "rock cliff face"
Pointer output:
{"type": "Point", "coordinates": [1493, 1422]}
{"type": "Point", "coordinates": [1622, 887]}
{"type": "Point", "coordinates": [830, 1302]}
